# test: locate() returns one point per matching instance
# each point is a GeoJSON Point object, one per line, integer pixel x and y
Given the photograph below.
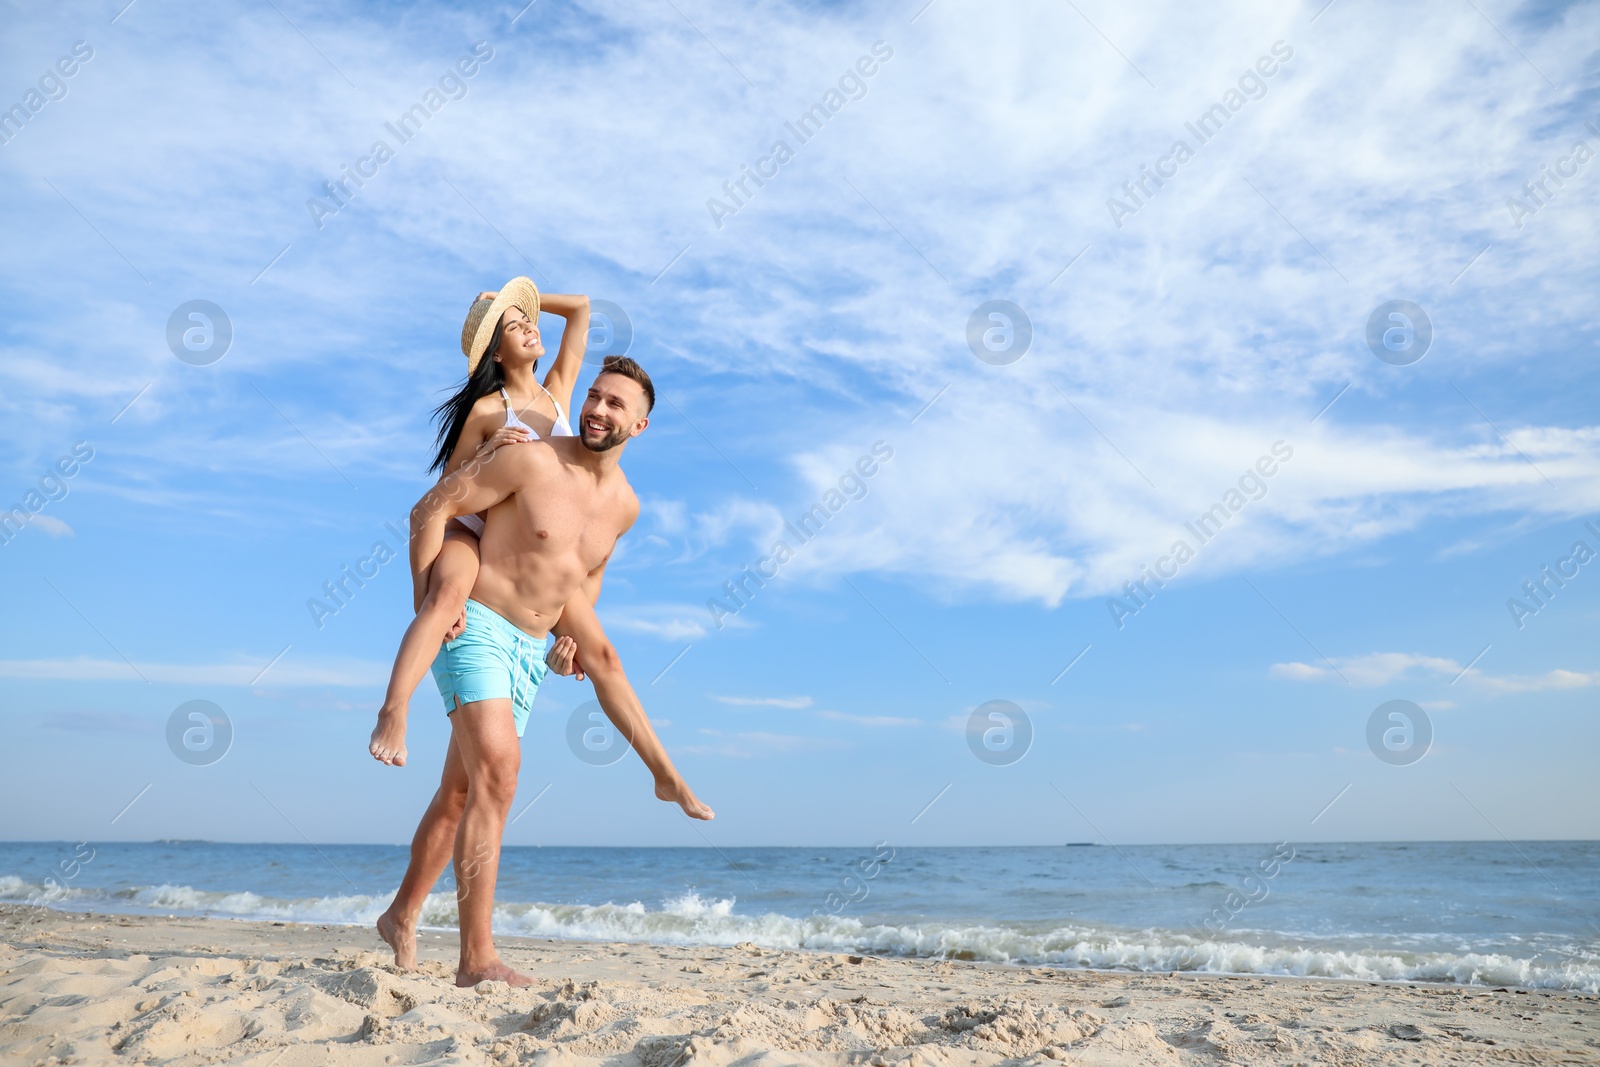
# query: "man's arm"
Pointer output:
{"type": "Point", "coordinates": [621, 704]}
{"type": "Point", "coordinates": [475, 486]}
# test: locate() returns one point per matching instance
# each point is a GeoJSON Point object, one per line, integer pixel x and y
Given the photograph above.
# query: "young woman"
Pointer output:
{"type": "Point", "coordinates": [502, 403]}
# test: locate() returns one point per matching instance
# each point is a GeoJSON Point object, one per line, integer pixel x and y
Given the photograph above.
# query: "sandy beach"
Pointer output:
{"type": "Point", "coordinates": [95, 988]}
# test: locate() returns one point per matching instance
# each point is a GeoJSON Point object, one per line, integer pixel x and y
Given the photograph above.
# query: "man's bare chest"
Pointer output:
{"type": "Point", "coordinates": [568, 523]}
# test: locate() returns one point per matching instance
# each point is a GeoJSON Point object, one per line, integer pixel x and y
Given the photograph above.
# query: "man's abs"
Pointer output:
{"type": "Point", "coordinates": [528, 590]}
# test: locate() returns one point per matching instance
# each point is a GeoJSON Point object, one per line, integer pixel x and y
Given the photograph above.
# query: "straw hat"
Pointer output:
{"type": "Point", "coordinates": [484, 316]}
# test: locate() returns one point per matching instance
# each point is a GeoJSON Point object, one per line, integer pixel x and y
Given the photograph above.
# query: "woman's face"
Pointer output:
{"type": "Point", "coordinates": [519, 338]}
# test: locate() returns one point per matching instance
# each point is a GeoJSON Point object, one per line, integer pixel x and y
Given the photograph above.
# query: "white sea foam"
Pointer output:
{"type": "Point", "coordinates": [693, 920]}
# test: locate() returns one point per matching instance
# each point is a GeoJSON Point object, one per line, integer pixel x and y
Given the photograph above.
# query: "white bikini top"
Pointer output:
{"type": "Point", "coordinates": [562, 427]}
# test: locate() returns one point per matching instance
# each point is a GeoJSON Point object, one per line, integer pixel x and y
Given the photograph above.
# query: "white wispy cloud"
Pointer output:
{"type": "Point", "coordinates": [1265, 255]}
{"type": "Point", "coordinates": [289, 672]}
{"type": "Point", "coordinates": [1084, 528]}
{"type": "Point", "coordinates": [765, 702]}
{"type": "Point", "coordinates": [1385, 668]}
{"type": "Point", "coordinates": [870, 720]}
{"type": "Point", "coordinates": [1376, 668]}
{"type": "Point", "coordinates": [669, 622]}
{"type": "Point", "coordinates": [1555, 679]}
{"type": "Point", "coordinates": [52, 526]}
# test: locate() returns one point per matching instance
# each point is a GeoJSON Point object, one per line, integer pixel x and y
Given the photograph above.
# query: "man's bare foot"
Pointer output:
{"type": "Point", "coordinates": [494, 972]}
{"type": "Point", "coordinates": [401, 935]}
{"type": "Point", "coordinates": [676, 791]}
{"type": "Point", "coordinates": [388, 743]}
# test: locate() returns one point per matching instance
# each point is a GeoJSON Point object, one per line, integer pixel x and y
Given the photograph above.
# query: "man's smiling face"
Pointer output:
{"type": "Point", "coordinates": [614, 411]}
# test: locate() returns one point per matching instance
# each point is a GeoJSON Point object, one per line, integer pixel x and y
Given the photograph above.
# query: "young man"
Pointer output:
{"type": "Point", "coordinates": [555, 509]}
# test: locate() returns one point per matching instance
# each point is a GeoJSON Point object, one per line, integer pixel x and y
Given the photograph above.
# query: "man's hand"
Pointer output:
{"type": "Point", "coordinates": [563, 658]}
{"type": "Point", "coordinates": [457, 626]}
{"type": "Point", "coordinates": [505, 435]}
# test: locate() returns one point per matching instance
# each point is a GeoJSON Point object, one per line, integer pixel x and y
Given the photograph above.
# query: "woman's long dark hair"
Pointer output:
{"type": "Point", "coordinates": [488, 377]}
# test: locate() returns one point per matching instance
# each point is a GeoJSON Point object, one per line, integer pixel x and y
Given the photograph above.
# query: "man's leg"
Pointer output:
{"type": "Point", "coordinates": [431, 850]}
{"type": "Point", "coordinates": [491, 754]}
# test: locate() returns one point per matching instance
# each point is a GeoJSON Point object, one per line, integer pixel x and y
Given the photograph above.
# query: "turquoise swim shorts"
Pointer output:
{"type": "Point", "coordinates": [491, 660]}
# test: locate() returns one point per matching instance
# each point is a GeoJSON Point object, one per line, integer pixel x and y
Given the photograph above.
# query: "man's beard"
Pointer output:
{"type": "Point", "coordinates": [607, 443]}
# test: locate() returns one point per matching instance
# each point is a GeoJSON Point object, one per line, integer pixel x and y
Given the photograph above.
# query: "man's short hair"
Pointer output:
{"type": "Point", "coordinates": [630, 368]}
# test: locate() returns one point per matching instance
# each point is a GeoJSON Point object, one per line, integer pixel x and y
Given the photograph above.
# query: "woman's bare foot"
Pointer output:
{"type": "Point", "coordinates": [388, 743]}
{"type": "Point", "coordinates": [494, 972]}
{"type": "Point", "coordinates": [676, 791]}
{"type": "Point", "coordinates": [401, 935]}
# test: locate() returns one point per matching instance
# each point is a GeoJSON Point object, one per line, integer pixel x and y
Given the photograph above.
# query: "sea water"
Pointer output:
{"type": "Point", "coordinates": [1472, 912]}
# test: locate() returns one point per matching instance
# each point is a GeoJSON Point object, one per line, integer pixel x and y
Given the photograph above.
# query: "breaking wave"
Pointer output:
{"type": "Point", "coordinates": [692, 920]}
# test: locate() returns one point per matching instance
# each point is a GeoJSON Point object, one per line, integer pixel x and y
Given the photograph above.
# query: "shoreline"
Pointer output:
{"type": "Point", "coordinates": [108, 987]}
{"type": "Point", "coordinates": [1169, 967]}
{"type": "Point", "coordinates": [448, 933]}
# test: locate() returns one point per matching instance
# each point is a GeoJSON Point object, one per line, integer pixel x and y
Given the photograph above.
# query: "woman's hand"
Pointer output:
{"type": "Point", "coordinates": [505, 435]}
{"type": "Point", "coordinates": [563, 657]}
{"type": "Point", "coordinates": [485, 296]}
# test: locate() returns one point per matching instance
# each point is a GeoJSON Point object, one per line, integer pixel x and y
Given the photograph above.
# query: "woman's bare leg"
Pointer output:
{"type": "Point", "coordinates": [450, 582]}
{"type": "Point", "coordinates": [621, 704]}
{"type": "Point", "coordinates": [431, 851]}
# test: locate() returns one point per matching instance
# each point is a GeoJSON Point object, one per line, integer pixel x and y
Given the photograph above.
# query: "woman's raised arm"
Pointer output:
{"type": "Point", "coordinates": [563, 374]}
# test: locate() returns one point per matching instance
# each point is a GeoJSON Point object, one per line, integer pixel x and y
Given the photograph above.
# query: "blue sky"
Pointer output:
{"type": "Point", "coordinates": [1180, 333]}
